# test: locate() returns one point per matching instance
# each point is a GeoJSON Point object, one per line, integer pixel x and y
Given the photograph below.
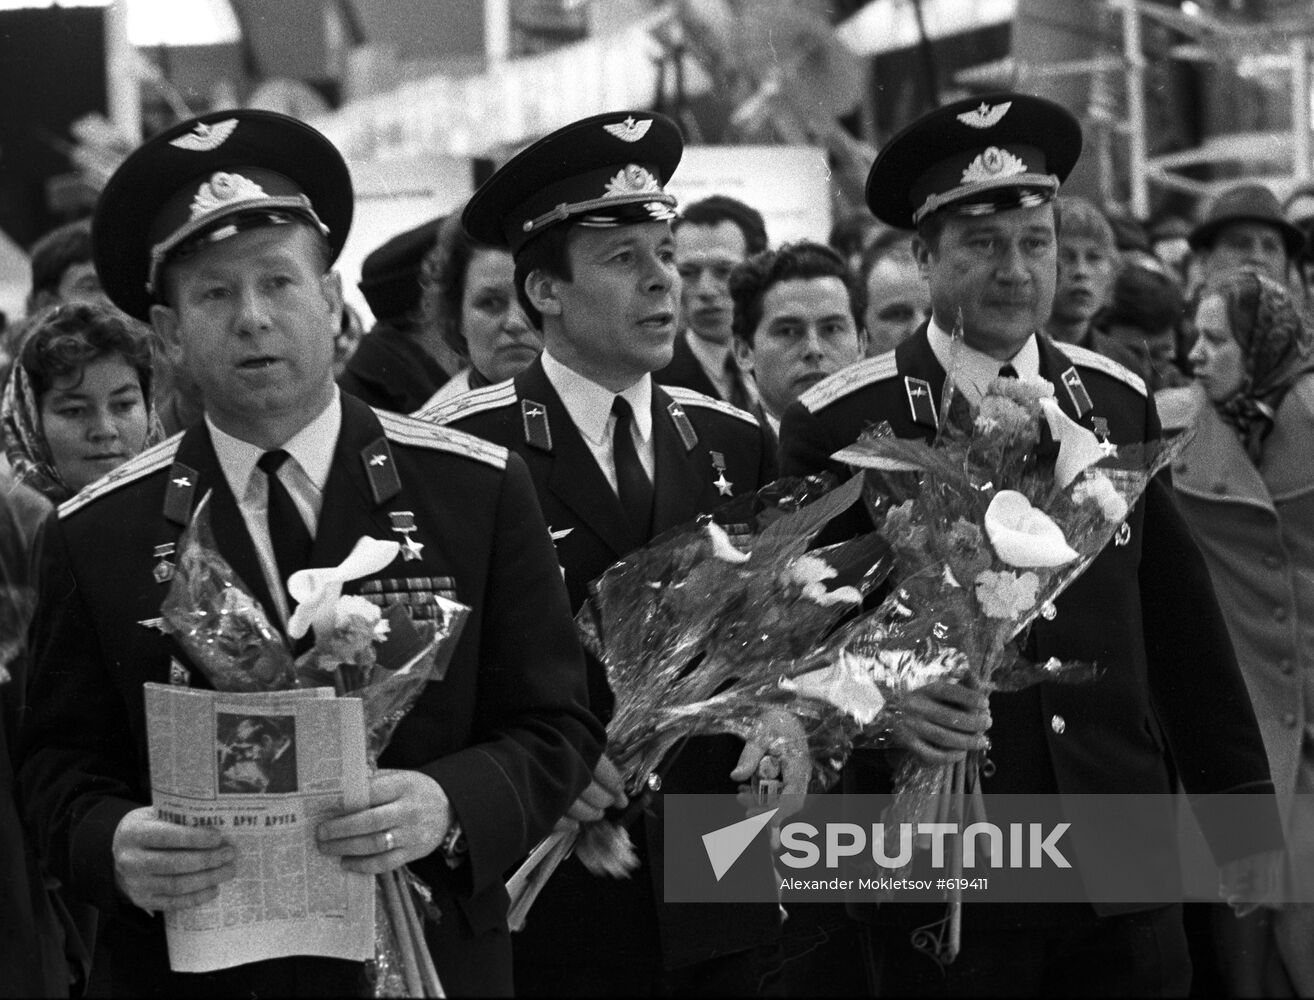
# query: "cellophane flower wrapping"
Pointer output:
{"type": "Point", "coordinates": [989, 524]}
{"type": "Point", "coordinates": [382, 657]}
{"type": "Point", "coordinates": [696, 631]}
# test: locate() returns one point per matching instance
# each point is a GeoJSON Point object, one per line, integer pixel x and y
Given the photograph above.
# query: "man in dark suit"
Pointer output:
{"type": "Point", "coordinates": [222, 231]}
{"type": "Point", "coordinates": [977, 179]}
{"type": "Point", "coordinates": [711, 237]}
{"type": "Point", "coordinates": [616, 460]}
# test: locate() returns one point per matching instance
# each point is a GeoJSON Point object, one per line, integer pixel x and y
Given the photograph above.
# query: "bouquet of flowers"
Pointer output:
{"type": "Point", "coordinates": [989, 524]}
{"type": "Point", "coordinates": [682, 630]}
{"type": "Point", "coordinates": [362, 651]}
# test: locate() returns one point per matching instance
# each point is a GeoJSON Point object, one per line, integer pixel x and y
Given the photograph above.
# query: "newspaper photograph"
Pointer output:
{"type": "Point", "coordinates": [265, 769]}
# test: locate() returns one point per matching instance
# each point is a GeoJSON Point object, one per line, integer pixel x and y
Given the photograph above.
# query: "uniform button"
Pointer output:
{"type": "Point", "coordinates": [1289, 720]}
{"type": "Point", "coordinates": [1280, 614]}
{"type": "Point", "coordinates": [1287, 667]}
{"type": "Point", "coordinates": [1220, 488]}
{"type": "Point", "coordinates": [1058, 724]}
{"type": "Point", "coordinates": [1272, 561]}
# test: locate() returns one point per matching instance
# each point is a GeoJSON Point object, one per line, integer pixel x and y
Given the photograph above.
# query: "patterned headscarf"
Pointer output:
{"type": "Point", "coordinates": [30, 459]}
{"type": "Point", "coordinates": [1276, 350]}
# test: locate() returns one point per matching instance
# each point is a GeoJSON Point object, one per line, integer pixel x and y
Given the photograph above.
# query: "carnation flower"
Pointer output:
{"type": "Point", "coordinates": [1006, 594]}
{"type": "Point", "coordinates": [967, 554]}
{"type": "Point", "coordinates": [902, 531]}
{"type": "Point", "coordinates": [810, 573]}
{"type": "Point", "coordinates": [1000, 415]}
{"type": "Point", "coordinates": [1026, 390]}
{"type": "Point", "coordinates": [1098, 488]}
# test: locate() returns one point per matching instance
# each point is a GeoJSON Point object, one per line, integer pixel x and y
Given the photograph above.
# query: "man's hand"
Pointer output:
{"type": "Point", "coordinates": [777, 734]}
{"type": "Point", "coordinates": [605, 790]}
{"type": "Point", "coordinates": [406, 819]}
{"type": "Point", "coordinates": [1253, 881]}
{"type": "Point", "coordinates": [942, 721]}
{"type": "Point", "coordinates": [164, 866]}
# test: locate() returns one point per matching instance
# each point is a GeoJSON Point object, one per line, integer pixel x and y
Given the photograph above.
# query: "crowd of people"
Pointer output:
{"type": "Point", "coordinates": [562, 370]}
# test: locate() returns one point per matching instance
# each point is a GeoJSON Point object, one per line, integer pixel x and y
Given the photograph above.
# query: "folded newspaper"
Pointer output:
{"type": "Point", "coordinates": [264, 768]}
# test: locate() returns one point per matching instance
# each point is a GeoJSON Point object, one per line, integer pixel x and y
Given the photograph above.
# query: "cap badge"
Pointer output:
{"type": "Point", "coordinates": [986, 115]}
{"type": "Point", "coordinates": [223, 189]}
{"type": "Point", "coordinates": [633, 179]}
{"type": "Point", "coordinates": [992, 164]}
{"type": "Point", "coordinates": [629, 130]}
{"type": "Point", "coordinates": [204, 138]}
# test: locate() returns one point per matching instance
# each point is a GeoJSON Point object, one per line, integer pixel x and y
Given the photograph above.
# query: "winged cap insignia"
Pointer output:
{"type": "Point", "coordinates": [986, 115]}
{"type": "Point", "coordinates": [629, 130]}
{"type": "Point", "coordinates": [632, 179]}
{"type": "Point", "coordinates": [991, 165]}
{"type": "Point", "coordinates": [204, 138]}
{"type": "Point", "coordinates": [224, 189]}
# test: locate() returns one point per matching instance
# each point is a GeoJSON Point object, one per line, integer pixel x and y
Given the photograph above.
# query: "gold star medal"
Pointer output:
{"type": "Point", "coordinates": [403, 522]}
{"type": "Point", "coordinates": [723, 485]}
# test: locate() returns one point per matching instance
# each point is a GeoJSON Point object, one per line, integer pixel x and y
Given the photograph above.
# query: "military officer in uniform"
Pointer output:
{"type": "Point", "coordinates": [616, 459]}
{"type": "Point", "coordinates": [222, 232]}
{"type": "Point", "coordinates": [977, 180]}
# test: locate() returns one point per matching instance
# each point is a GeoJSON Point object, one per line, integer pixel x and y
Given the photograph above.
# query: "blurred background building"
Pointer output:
{"type": "Point", "coordinates": [424, 97]}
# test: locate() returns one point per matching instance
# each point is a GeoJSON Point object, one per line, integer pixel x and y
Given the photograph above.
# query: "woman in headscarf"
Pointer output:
{"type": "Point", "coordinates": [470, 299]}
{"type": "Point", "coordinates": [77, 402]}
{"type": "Point", "coordinates": [1246, 485]}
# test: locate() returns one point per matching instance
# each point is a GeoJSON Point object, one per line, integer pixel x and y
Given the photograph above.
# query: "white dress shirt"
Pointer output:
{"type": "Point", "coordinates": [971, 370]}
{"type": "Point", "coordinates": [589, 406]}
{"type": "Point", "coordinates": [304, 475]}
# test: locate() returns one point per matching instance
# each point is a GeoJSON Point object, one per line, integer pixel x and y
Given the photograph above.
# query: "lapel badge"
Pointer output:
{"type": "Point", "coordinates": [1101, 427]}
{"type": "Point", "coordinates": [403, 522]}
{"type": "Point", "coordinates": [723, 485]}
{"type": "Point", "coordinates": [538, 432]}
{"type": "Point", "coordinates": [178, 494]}
{"type": "Point", "coordinates": [163, 571]}
{"type": "Point", "coordinates": [1077, 392]}
{"type": "Point", "coordinates": [683, 426]}
{"type": "Point", "coordinates": [380, 470]}
{"type": "Point", "coordinates": [919, 401]}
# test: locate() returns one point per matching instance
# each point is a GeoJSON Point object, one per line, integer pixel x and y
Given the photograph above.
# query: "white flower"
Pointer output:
{"type": "Point", "coordinates": [317, 591]}
{"type": "Point", "coordinates": [847, 684]}
{"type": "Point", "coordinates": [722, 547]}
{"type": "Point", "coordinates": [1022, 535]}
{"type": "Point", "coordinates": [1006, 595]}
{"type": "Point", "coordinates": [810, 572]}
{"type": "Point", "coordinates": [1099, 487]}
{"type": "Point", "coordinates": [352, 606]}
{"type": "Point", "coordinates": [1078, 447]}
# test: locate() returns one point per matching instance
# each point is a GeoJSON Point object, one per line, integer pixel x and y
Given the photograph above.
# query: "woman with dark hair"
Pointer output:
{"type": "Point", "coordinates": [77, 402]}
{"type": "Point", "coordinates": [1246, 487]}
{"type": "Point", "coordinates": [470, 300]}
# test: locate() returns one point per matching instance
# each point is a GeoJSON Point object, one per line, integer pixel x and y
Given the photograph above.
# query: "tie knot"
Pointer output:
{"type": "Point", "coordinates": [271, 461]}
{"type": "Point", "coordinates": [621, 410]}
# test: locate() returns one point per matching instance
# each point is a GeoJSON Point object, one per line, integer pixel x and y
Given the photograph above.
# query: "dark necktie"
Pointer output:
{"type": "Point", "coordinates": [1008, 371]}
{"type": "Point", "coordinates": [287, 531]}
{"type": "Point", "coordinates": [633, 484]}
{"type": "Point", "coordinates": [738, 391]}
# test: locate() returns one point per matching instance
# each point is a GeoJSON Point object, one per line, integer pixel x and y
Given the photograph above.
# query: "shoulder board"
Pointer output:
{"type": "Point", "coordinates": [490, 397]}
{"type": "Point", "coordinates": [153, 459]}
{"type": "Point", "coordinates": [690, 397]}
{"type": "Point", "coordinates": [1090, 359]}
{"type": "Point", "coordinates": [422, 434]}
{"type": "Point", "coordinates": [850, 379]}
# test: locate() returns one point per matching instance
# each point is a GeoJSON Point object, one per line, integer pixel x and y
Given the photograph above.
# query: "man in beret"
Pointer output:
{"type": "Point", "coordinates": [616, 459]}
{"type": "Point", "coordinates": [222, 231]}
{"type": "Point", "coordinates": [1244, 227]}
{"type": "Point", "coordinates": [393, 368]}
{"type": "Point", "coordinates": [977, 180]}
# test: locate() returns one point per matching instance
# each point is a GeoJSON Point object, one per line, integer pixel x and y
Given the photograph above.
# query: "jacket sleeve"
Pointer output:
{"type": "Point", "coordinates": [1198, 693]}
{"type": "Point", "coordinates": [536, 740]}
{"type": "Point", "coordinates": [806, 445]}
{"type": "Point", "coordinates": [78, 775]}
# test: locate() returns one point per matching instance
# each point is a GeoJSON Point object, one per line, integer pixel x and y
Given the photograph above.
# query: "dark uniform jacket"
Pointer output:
{"type": "Point", "coordinates": [581, 917]}
{"type": "Point", "coordinates": [685, 370]}
{"type": "Point", "coordinates": [392, 371]}
{"type": "Point", "coordinates": [506, 733]}
{"type": "Point", "coordinates": [1171, 695]}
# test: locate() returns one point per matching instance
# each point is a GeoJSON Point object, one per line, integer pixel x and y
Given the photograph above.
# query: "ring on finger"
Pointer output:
{"type": "Point", "coordinates": [389, 840]}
